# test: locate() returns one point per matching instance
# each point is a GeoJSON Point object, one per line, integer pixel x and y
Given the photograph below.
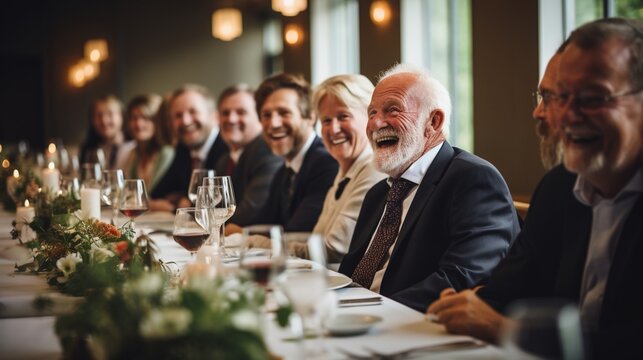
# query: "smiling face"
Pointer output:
{"type": "Point", "coordinates": [192, 118]}
{"type": "Point", "coordinates": [141, 127]}
{"type": "Point", "coordinates": [284, 127]}
{"type": "Point", "coordinates": [107, 119]}
{"type": "Point", "coordinates": [238, 118]}
{"type": "Point", "coordinates": [398, 129]}
{"type": "Point", "coordinates": [343, 130]}
{"type": "Point", "coordinates": [604, 144]}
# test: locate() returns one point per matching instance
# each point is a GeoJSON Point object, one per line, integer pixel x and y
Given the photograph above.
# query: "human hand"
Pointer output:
{"type": "Point", "coordinates": [464, 313]}
{"type": "Point", "coordinates": [232, 229]}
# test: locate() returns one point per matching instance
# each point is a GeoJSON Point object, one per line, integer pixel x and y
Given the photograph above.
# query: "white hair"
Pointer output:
{"type": "Point", "coordinates": [435, 95]}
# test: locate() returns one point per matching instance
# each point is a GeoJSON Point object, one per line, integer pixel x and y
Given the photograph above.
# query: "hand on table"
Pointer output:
{"type": "Point", "coordinates": [464, 313]}
{"type": "Point", "coordinates": [232, 229]}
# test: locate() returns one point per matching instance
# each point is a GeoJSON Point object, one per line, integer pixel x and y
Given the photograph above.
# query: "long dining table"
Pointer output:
{"type": "Point", "coordinates": [27, 334]}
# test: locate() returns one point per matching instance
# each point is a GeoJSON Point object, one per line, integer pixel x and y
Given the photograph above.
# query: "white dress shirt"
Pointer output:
{"type": "Point", "coordinates": [202, 152]}
{"type": "Point", "coordinates": [296, 162]}
{"type": "Point", "coordinates": [415, 173]}
{"type": "Point", "coordinates": [608, 219]}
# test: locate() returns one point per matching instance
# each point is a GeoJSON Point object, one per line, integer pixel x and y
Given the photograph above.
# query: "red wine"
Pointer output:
{"type": "Point", "coordinates": [191, 241]}
{"type": "Point", "coordinates": [260, 270]}
{"type": "Point", "coordinates": [133, 212]}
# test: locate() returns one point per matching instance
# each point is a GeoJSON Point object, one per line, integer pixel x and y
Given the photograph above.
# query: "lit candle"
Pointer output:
{"type": "Point", "coordinates": [12, 182]}
{"type": "Point", "coordinates": [25, 215]}
{"type": "Point", "coordinates": [89, 203]}
{"type": "Point", "coordinates": [51, 179]}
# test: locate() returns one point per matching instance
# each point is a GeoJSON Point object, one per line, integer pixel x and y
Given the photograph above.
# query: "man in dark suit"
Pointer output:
{"type": "Point", "coordinates": [299, 188]}
{"type": "Point", "coordinates": [194, 120]}
{"type": "Point", "coordinates": [444, 218]}
{"type": "Point", "coordinates": [582, 241]}
{"type": "Point", "coordinates": [250, 163]}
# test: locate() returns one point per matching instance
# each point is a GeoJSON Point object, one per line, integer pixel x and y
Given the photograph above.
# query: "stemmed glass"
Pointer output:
{"type": "Point", "coordinates": [113, 182]}
{"type": "Point", "coordinates": [263, 253]}
{"type": "Point", "coordinates": [133, 199]}
{"type": "Point", "coordinates": [223, 206]}
{"type": "Point", "coordinates": [196, 180]}
{"type": "Point", "coordinates": [91, 175]}
{"type": "Point", "coordinates": [191, 228]}
{"type": "Point", "coordinates": [306, 290]}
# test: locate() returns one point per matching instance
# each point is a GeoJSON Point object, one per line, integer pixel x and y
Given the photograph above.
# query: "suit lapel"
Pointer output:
{"type": "Point", "coordinates": [576, 232]}
{"type": "Point", "coordinates": [424, 192]}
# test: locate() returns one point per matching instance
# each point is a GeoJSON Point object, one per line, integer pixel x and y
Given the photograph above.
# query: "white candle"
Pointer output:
{"type": "Point", "coordinates": [90, 203]}
{"type": "Point", "coordinates": [25, 215]}
{"type": "Point", "coordinates": [51, 179]}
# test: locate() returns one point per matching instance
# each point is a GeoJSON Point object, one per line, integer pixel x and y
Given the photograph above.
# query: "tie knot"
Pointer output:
{"type": "Point", "coordinates": [399, 189]}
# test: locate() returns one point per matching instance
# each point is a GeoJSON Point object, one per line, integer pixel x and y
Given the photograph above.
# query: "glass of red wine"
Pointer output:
{"type": "Point", "coordinates": [191, 228]}
{"type": "Point", "coordinates": [133, 199]}
{"type": "Point", "coordinates": [263, 253]}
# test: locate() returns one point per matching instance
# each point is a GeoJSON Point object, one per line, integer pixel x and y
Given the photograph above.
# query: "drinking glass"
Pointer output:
{"type": "Point", "coordinates": [263, 253]}
{"type": "Point", "coordinates": [91, 175]}
{"type": "Point", "coordinates": [113, 181]}
{"type": "Point", "coordinates": [306, 290]}
{"type": "Point", "coordinates": [196, 180]}
{"type": "Point", "coordinates": [70, 185]}
{"type": "Point", "coordinates": [191, 228]}
{"type": "Point", "coordinates": [133, 199]}
{"type": "Point", "coordinates": [223, 206]}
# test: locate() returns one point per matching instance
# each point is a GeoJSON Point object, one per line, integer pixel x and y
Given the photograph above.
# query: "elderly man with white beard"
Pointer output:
{"type": "Point", "coordinates": [444, 217]}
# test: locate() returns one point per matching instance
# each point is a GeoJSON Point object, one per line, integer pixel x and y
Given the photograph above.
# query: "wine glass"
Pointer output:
{"type": "Point", "coordinates": [191, 228]}
{"type": "Point", "coordinates": [223, 205]}
{"type": "Point", "coordinates": [263, 253]}
{"type": "Point", "coordinates": [206, 199]}
{"type": "Point", "coordinates": [196, 180]}
{"type": "Point", "coordinates": [133, 199]}
{"type": "Point", "coordinates": [113, 181]}
{"type": "Point", "coordinates": [306, 289]}
{"type": "Point", "coordinates": [91, 175]}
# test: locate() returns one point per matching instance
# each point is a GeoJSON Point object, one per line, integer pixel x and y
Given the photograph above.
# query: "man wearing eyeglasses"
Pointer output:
{"type": "Point", "coordinates": [583, 239]}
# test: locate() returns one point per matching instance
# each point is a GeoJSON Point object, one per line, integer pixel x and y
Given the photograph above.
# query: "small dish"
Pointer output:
{"type": "Point", "coordinates": [338, 281]}
{"type": "Point", "coordinates": [351, 324]}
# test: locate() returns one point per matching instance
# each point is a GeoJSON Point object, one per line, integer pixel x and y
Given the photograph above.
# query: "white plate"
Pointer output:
{"type": "Point", "coordinates": [351, 324]}
{"type": "Point", "coordinates": [338, 281]}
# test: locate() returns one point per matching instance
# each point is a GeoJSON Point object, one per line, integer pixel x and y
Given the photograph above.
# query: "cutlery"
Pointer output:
{"type": "Point", "coordinates": [360, 300]}
{"type": "Point", "coordinates": [452, 346]}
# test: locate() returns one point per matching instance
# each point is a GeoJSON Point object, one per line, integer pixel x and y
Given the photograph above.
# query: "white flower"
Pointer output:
{"type": "Point", "coordinates": [146, 285]}
{"type": "Point", "coordinates": [165, 323]}
{"type": "Point", "coordinates": [245, 320]}
{"type": "Point", "coordinates": [99, 254]}
{"type": "Point", "coordinates": [68, 264]}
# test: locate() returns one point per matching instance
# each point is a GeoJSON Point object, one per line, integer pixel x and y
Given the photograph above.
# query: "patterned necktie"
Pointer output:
{"type": "Point", "coordinates": [230, 166]}
{"type": "Point", "coordinates": [386, 233]}
{"type": "Point", "coordinates": [340, 188]}
{"type": "Point", "coordinates": [287, 190]}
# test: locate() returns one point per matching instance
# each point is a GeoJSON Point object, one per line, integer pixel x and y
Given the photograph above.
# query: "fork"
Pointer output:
{"type": "Point", "coordinates": [457, 345]}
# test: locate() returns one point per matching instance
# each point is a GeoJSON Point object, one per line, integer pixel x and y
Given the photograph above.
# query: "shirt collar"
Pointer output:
{"type": "Point", "coordinates": [202, 152]}
{"type": "Point", "coordinates": [587, 194]}
{"type": "Point", "coordinates": [236, 154]}
{"type": "Point", "coordinates": [298, 160]}
{"type": "Point", "coordinates": [415, 173]}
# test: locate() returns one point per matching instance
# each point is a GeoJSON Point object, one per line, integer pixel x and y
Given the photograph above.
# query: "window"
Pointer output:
{"type": "Point", "coordinates": [436, 34]}
{"type": "Point", "coordinates": [335, 38]}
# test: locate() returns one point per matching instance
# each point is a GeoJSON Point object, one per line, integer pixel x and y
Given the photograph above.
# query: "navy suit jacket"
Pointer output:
{"type": "Point", "coordinates": [459, 226]}
{"type": "Point", "coordinates": [251, 179]}
{"type": "Point", "coordinates": [548, 260]}
{"type": "Point", "coordinates": [177, 178]}
{"type": "Point", "coordinates": [311, 184]}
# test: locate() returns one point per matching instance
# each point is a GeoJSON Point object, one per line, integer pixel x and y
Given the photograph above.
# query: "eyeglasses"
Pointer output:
{"type": "Point", "coordinates": [591, 102]}
{"type": "Point", "coordinates": [545, 97]}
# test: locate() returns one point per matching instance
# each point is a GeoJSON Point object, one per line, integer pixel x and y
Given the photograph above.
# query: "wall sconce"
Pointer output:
{"type": "Point", "coordinates": [293, 34]}
{"type": "Point", "coordinates": [90, 69]}
{"type": "Point", "coordinates": [289, 7]}
{"type": "Point", "coordinates": [227, 24]}
{"type": "Point", "coordinates": [380, 12]}
{"type": "Point", "coordinates": [77, 76]}
{"type": "Point", "coordinates": [96, 50]}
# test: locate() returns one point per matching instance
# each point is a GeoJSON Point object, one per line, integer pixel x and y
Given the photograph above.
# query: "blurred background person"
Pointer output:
{"type": "Point", "coordinates": [341, 103]}
{"type": "Point", "coordinates": [153, 154]}
{"type": "Point", "coordinates": [105, 142]}
{"type": "Point", "coordinates": [250, 163]}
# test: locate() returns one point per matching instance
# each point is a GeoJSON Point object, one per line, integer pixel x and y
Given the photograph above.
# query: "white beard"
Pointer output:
{"type": "Point", "coordinates": [395, 159]}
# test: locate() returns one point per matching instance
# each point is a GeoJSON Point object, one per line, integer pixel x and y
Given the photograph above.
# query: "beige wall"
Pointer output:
{"type": "Point", "coordinates": [505, 73]}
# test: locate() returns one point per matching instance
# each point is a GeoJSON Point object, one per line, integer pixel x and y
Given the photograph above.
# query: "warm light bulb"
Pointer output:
{"type": "Point", "coordinates": [6, 163]}
{"type": "Point", "coordinates": [51, 148]}
{"type": "Point", "coordinates": [94, 55]}
{"type": "Point", "coordinates": [227, 24]}
{"type": "Point", "coordinates": [293, 35]}
{"type": "Point", "coordinates": [380, 12]}
{"type": "Point", "coordinates": [96, 50]}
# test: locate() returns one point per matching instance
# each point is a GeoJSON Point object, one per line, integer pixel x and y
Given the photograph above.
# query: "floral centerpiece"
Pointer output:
{"type": "Point", "coordinates": [206, 319]}
{"type": "Point", "coordinates": [17, 186]}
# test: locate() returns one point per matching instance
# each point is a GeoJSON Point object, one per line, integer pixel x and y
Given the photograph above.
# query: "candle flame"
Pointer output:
{"type": "Point", "coordinates": [16, 173]}
{"type": "Point", "coordinates": [51, 148]}
{"type": "Point", "coordinates": [6, 163]}
{"type": "Point", "coordinates": [51, 165]}
{"type": "Point", "coordinates": [26, 202]}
